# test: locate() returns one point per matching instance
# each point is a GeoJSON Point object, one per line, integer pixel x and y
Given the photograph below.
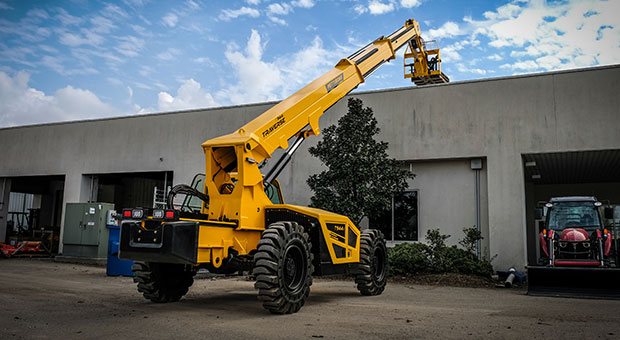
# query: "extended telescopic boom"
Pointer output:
{"type": "Point", "coordinates": [233, 179]}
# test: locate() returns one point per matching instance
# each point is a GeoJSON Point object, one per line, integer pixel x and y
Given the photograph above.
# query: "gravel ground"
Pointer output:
{"type": "Point", "coordinates": [45, 299]}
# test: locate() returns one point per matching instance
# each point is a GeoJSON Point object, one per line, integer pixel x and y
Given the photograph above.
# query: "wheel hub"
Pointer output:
{"type": "Point", "coordinates": [294, 268]}
{"type": "Point", "coordinates": [290, 269]}
{"type": "Point", "coordinates": [378, 263]}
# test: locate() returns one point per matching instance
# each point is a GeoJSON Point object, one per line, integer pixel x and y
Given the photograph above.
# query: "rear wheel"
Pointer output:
{"type": "Point", "coordinates": [371, 271]}
{"type": "Point", "coordinates": [283, 268]}
{"type": "Point", "coordinates": [163, 282]}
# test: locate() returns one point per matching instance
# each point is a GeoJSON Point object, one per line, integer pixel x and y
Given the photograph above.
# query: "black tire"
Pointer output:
{"type": "Point", "coordinates": [162, 282]}
{"type": "Point", "coordinates": [371, 271]}
{"type": "Point", "coordinates": [283, 268]}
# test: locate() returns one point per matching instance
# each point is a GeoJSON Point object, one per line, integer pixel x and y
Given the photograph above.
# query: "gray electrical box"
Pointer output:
{"type": "Point", "coordinates": [85, 234]}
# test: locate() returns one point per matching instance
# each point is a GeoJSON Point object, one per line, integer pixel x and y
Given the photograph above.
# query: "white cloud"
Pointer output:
{"type": "Point", "coordinates": [101, 25]}
{"type": "Point", "coordinates": [135, 3]}
{"type": "Point", "coordinates": [228, 14]}
{"type": "Point", "coordinates": [21, 104]}
{"type": "Point", "coordinates": [528, 65]}
{"type": "Point", "coordinates": [145, 71]}
{"type": "Point", "coordinates": [376, 7]}
{"type": "Point", "coordinates": [447, 30]}
{"type": "Point", "coordinates": [360, 9]}
{"type": "Point", "coordinates": [67, 19]}
{"type": "Point", "coordinates": [38, 13]}
{"type": "Point", "coordinates": [303, 3]}
{"type": "Point", "coordinates": [114, 12]}
{"type": "Point", "coordinates": [410, 3]}
{"type": "Point", "coordinates": [260, 80]}
{"type": "Point", "coordinates": [129, 46]}
{"type": "Point", "coordinates": [85, 37]}
{"type": "Point", "coordinates": [252, 2]}
{"type": "Point", "coordinates": [464, 69]}
{"type": "Point", "coordinates": [279, 9]}
{"type": "Point", "coordinates": [450, 53]}
{"type": "Point", "coordinates": [56, 64]}
{"type": "Point", "coordinates": [495, 57]}
{"type": "Point", "coordinates": [4, 6]}
{"type": "Point", "coordinates": [278, 21]}
{"type": "Point", "coordinates": [205, 60]}
{"type": "Point", "coordinates": [169, 54]}
{"type": "Point", "coordinates": [192, 5]}
{"type": "Point", "coordinates": [190, 95]}
{"type": "Point", "coordinates": [255, 79]}
{"type": "Point", "coordinates": [170, 20]}
{"type": "Point", "coordinates": [553, 35]}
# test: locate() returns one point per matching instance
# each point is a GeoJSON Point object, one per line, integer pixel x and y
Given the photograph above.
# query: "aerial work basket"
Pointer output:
{"type": "Point", "coordinates": [423, 66]}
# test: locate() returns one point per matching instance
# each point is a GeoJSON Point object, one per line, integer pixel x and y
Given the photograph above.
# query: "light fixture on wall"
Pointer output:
{"type": "Point", "coordinates": [536, 176]}
{"type": "Point", "coordinates": [530, 164]}
{"type": "Point", "coordinates": [476, 164]}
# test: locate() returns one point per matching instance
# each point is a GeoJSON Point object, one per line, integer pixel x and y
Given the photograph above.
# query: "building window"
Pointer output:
{"type": "Point", "coordinates": [399, 221]}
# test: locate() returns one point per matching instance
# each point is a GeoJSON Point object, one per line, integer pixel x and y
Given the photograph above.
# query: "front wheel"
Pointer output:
{"type": "Point", "coordinates": [371, 271]}
{"type": "Point", "coordinates": [163, 282]}
{"type": "Point", "coordinates": [283, 268]}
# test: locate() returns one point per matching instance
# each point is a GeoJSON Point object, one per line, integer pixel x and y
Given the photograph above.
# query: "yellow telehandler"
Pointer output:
{"type": "Point", "coordinates": [242, 222]}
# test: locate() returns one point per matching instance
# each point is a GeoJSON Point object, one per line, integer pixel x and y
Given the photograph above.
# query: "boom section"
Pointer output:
{"type": "Point", "coordinates": [272, 129]}
{"type": "Point", "coordinates": [234, 181]}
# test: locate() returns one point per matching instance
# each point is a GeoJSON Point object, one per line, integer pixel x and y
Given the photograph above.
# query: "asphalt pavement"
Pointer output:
{"type": "Point", "coordinates": [42, 299]}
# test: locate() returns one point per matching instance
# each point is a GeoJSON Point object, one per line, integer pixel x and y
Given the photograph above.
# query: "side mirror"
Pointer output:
{"type": "Point", "coordinates": [538, 213]}
{"type": "Point", "coordinates": [609, 213]}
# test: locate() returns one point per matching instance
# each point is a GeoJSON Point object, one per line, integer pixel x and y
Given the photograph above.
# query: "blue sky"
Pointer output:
{"type": "Point", "coordinates": [68, 60]}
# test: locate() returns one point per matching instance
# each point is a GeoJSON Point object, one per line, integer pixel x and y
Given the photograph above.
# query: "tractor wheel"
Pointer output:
{"type": "Point", "coordinates": [371, 271]}
{"type": "Point", "coordinates": [283, 268]}
{"type": "Point", "coordinates": [162, 282]}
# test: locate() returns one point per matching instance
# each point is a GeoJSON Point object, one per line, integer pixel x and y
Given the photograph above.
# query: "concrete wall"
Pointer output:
{"type": "Point", "coordinates": [498, 119]}
{"type": "Point", "coordinates": [446, 200]}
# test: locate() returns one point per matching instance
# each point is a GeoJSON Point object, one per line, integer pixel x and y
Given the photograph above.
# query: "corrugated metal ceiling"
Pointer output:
{"type": "Point", "coordinates": [573, 167]}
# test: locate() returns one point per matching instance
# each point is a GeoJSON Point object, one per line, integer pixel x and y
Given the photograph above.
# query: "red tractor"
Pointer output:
{"type": "Point", "coordinates": [578, 255]}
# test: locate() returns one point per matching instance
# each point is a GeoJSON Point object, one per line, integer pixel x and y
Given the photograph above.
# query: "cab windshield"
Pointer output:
{"type": "Point", "coordinates": [573, 215]}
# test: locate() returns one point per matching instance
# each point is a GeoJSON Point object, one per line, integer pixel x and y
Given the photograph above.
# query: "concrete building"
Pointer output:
{"type": "Point", "coordinates": [485, 152]}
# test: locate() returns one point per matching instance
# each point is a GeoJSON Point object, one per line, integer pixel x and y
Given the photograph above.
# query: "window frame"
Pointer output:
{"type": "Point", "coordinates": [393, 219]}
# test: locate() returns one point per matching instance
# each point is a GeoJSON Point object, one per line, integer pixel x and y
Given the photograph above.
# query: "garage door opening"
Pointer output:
{"type": "Point", "coordinates": [31, 209]}
{"type": "Point", "coordinates": [582, 173]}
{"type": "Point", "coordinates": [138, 189]}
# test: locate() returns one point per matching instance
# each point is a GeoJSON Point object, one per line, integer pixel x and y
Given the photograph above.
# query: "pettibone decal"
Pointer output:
{"type": "Point", "coordinates": [280, 121]}
{"type": "Point", "coordinates": [334, 82]}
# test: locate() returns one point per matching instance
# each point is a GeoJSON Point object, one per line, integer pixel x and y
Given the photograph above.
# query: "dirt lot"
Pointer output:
{"type": "Point", "coordinates": [44, 299]}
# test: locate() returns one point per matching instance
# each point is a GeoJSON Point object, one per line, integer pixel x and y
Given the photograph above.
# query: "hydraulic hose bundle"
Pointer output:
{"type": "Point", "coordinates": [184, 190]}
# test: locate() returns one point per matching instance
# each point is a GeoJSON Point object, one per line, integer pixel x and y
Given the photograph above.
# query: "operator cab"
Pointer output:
{"type": "Point", "coordinates": [573, 212]}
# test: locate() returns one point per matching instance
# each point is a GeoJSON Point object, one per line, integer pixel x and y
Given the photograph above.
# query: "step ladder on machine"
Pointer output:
{"type": "Point", "coordinates": [159, 197]}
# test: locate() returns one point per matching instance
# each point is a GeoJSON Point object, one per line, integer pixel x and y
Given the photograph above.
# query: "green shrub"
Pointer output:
{"type": "Point", "coordinates": [470, 241]}
{"type": "Point", "coordinates": [409, 258]}
{"type": "Point", "coordinates": [435, 257]}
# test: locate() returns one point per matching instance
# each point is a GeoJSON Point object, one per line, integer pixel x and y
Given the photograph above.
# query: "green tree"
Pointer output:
{"type": "Point", "coordinates": [360, 177]}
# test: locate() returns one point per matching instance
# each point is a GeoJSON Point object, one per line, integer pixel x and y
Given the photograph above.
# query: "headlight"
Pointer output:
{"type": "Point", "coordinates": [158, 214]}
{"type": "Point", "coordinates": [137, 213]}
